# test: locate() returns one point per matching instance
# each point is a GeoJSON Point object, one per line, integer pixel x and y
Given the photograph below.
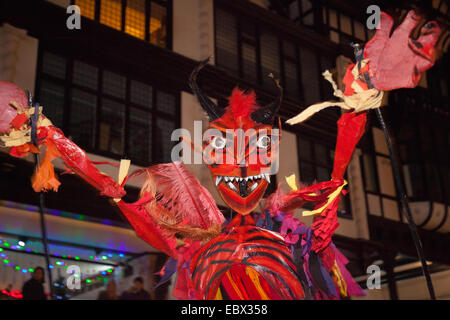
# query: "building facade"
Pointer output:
{"type": "Point", "coordinates": [118, 88]}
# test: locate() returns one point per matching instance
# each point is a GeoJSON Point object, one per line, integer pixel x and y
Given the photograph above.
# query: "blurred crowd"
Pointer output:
{"type": "Point", "coordinates": [33, 289]}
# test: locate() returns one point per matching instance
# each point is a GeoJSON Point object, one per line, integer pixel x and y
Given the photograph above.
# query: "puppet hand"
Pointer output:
{"type": "Point", "coordinates": [397, 61]}
{"type": "Point", "coordinates": [9, 93]}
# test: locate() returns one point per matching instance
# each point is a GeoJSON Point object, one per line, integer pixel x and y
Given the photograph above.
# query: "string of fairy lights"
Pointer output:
{"type": "Point", "coordinates": [21, 247]}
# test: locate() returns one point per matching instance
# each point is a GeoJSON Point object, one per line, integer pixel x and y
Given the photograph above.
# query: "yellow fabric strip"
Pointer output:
{"type": "Point", "coordinates": [291, 182]}
{"type": "Point", "coordinates": [218, 295]}
{"type": "Point", "coordinates": [255, 279]}
{"type": "Point", "coordinates": [339, 280]}
{"type": "Point", "coordinates": [123, 171]}
{"type": "Point", "coordinates": [331, 198]}
{"type": "Point", "coordinates": [234, 285]}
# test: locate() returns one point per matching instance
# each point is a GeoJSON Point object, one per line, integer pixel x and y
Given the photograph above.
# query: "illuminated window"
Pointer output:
{"type": "Point", "coordinates": [135, 18]}
{"type": "Point", "coordinates": [87, 8]}
{"type": "Point", "coordinates": [158, 28]}
{"type": "Point", "coordinates": [143, 19]}
{"type": "Point", "coordinates": [111, 13]}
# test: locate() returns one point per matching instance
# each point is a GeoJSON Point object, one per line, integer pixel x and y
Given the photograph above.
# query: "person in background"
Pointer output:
{"type": "Point", "coordinates": [8, 288]}
{"type": "Point", "coordinates": [109, 293]}
{"type": "Point", "coordinates": [136, 292]}
{"type": "Point", "coordinates": [6, 294]}
{"type": "Point", "coordinates": [33, 288]}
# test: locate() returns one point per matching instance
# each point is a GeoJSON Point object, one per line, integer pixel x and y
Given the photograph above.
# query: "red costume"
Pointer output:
{"type": "Point", "coordinates": [241, 258]}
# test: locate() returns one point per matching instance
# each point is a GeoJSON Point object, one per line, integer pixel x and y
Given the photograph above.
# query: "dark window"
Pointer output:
{"type": "Point", "coordinates": [424, 154]}
{"type": "Point", "coordinates": [270, 58]}
{"type": "Point", "coordinates": [140, 136]}
{"type": "Point", "coordinates": [53, 95]}
{"type": "Point", "coordinates": [315, 162]}
{"type": "Point", "coordinates": [226, 41]}
{"type": "Point", "coordinates": [301, 11]}
{"type": "Point", "coordinates": [248, 50]}
{"type": "Point", "coordinates": [342, 28]}
{"type": "Point", "coordinates": [112, 126]}
{"type": "Point", "coordinates": [248, 40]}
{"type": "Point", "coordinates": [83, 117]}
{"type": "Point", "coordinates": [143, 19]}
{"type": "Point", "coordinates": [291, 70]}
{"type": "Point", "coordinates": [369, 172]}
{"type": "Point", "coordinates": [120, 117]}
{"type": "Point", "coordinates": [439, 85]}
{"type": "Point", "coordinates": [310, 73]}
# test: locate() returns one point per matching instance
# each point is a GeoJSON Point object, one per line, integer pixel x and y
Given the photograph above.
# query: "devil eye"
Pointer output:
{"type": "Point", "coordinates": [263, 142]}
{"type": "Point", "coordinates": [218, 142]}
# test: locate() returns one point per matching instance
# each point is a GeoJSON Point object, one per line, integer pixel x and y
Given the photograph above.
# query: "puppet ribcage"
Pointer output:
{"type": "Point", "coordinates": [245, 262]}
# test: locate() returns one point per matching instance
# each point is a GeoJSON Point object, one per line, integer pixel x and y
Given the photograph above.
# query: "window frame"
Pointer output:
{"type": "Point", "coordinates": [281, 38]}
{"type": "Point", "coordinates": [168, 4]}
{"type": "Point", "coordinates": [352, 37]}
{"type": "Point", "coordinates": [68, 85]}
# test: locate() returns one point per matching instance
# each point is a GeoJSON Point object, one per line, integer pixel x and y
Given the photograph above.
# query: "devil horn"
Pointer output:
{"type": "Point", "coordinates": [266, 114]}
{"type": "Point", "coordinates": [213, 111]}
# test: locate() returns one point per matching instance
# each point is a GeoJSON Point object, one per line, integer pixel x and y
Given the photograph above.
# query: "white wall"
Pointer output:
{"type": "Point", "coordinates": [61, 3]}
{"type": "Point", "coordinates": [193, 28]}
{"type": "Point", "coordinates": [356, 227]}
{"type": "Point", "coordinates": [414, 289]}
{"type": "Point", "coordinates": [261, 3]}
{"type": "Point", "coordinates": [18, 52]}
{"type": "Point", "coordinates": [71, 230]}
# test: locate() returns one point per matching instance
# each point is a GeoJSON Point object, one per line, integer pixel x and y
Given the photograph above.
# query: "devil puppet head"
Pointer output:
{"type": "Point", "coordinates": [240, 146]}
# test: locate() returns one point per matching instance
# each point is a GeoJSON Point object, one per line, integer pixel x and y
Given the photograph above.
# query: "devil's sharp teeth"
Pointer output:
{"type": "Point", "coordinates": [226, 179]}
{"type": "Point", "coordinates": [267, 177]}
{"type": "Point", "coordinates": [231, 178]}
{"type": "Point", "coordinates": [218, 179]}
{"type": "Point", "coordinates": [246, 178]}
{"type": "Point", "coordinates": [254, 186]}
{"type": "Point", "coordinates": [232, 187]}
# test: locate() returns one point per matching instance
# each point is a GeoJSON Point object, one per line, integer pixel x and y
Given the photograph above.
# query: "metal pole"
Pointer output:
{"type": "Point", "coordinates": [405, 205]}
{"type": "Point", "coordinates": [41, 205]}
{"type": "Point", "coordinates": [358, 51]}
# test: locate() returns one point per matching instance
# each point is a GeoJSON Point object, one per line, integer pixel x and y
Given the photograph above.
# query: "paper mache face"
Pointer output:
{"type": "Point", "coordinates": [240, 145]}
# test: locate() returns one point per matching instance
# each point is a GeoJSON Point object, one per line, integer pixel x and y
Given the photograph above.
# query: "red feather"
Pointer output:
{"type": "Point", "coordinates": [242, 104]}
{"type": "Point", "coordinates": [275, 201]}
{"type": "Point", "coordinates": [279, 201]}
{"type": "Point", "coordinates": [182, 195]}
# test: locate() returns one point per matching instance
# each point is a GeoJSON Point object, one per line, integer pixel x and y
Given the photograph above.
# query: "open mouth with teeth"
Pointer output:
{"type": "Point", "coordinates": [242, 185]}
{"type": "Point", "coordinates": [242, 194]}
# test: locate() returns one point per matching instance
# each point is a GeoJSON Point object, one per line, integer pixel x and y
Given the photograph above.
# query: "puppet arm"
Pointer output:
{"type": "Point", "coordinates": [25, 130]}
